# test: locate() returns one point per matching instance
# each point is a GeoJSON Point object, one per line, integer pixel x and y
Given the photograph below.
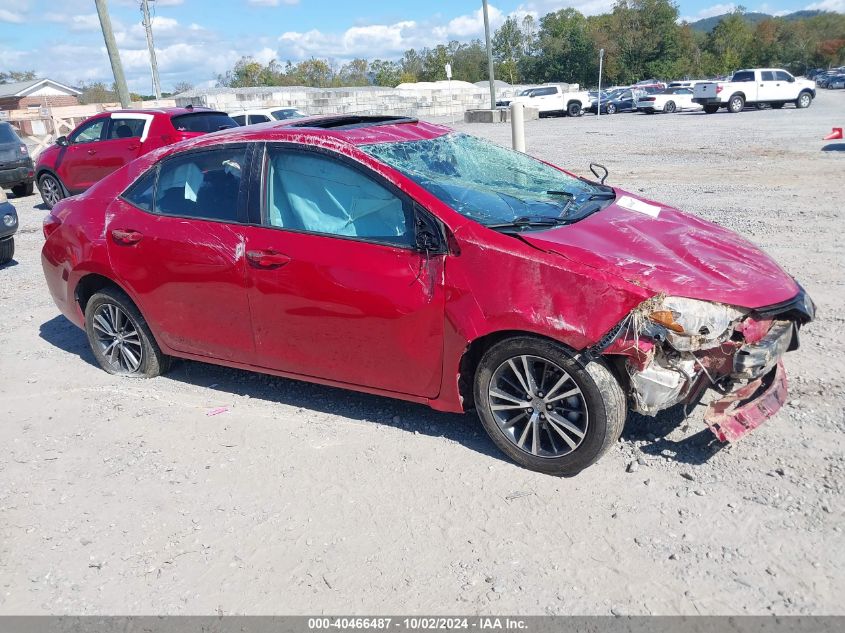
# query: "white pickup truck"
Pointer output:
{"type": "Point", "coordinates": [756, 86]}
{"type": "Point", "coordinates": [550, 98]}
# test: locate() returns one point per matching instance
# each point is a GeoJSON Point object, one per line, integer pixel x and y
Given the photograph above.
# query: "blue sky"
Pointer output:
{"type": "Point", "coordinates": [197, 39]}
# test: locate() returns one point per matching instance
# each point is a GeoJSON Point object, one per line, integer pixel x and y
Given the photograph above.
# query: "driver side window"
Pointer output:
{"type": "Point", "coordinates": [89, 132]}
{"type": "Point", "coordinates": [314, 193]}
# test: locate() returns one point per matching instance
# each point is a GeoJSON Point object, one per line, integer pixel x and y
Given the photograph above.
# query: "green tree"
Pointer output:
{"type": "Point", "coordinates": [386, 73]}
{"type": "Point", "coordinates": [11, 76]}
{"type": "Point", "coordinates": [565, 52]}
{"type": "Point", "coordinates": [731, 42]}
{"type": "Point", "coordinates": [508, 49]}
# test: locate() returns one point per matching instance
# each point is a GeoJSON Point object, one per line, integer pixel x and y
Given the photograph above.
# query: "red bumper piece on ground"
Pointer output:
{"type": "Point", "coordinates": [741, 411]}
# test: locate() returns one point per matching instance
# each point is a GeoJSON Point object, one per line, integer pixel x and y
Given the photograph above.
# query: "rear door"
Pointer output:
{"type": "Point", "coordinates": [78, 162]}
{"type": "Point", "coordinates": [767, 87]}
{"type": "Point", "coordinates": [176, 239]}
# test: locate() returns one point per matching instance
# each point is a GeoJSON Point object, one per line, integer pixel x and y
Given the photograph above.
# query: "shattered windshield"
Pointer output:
{"type": "Point", "coordinates": [486, 182]}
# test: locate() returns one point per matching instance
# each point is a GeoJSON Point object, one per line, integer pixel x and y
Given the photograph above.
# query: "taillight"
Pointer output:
{"type": "Point", "coordinates": [24, 150]}
{"type": "Point", "coordinates": [719, 88]}
{"type": "Point", "coordinates": [50, 224]}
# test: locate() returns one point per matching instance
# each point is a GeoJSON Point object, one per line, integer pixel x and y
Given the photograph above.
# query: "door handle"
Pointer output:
{"type": "Point", "coordinates": [132, 147]}
{"type": "Point", "coordinates": [267, 259]}
{"type": "Point", "coordinates": [91, 152]}
{"type": "Point", "coordinates": [126, 236]}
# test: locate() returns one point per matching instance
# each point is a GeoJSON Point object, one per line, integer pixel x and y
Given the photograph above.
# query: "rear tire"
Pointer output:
{"type": "Point", "coordinates": [804, 100]}
{"type": "Point", "coordinates": [51, 190]}
{"type": "Point", "coordinates": [573, 109]}
{"type": "Point", "coordinates": [120, 338]}
{"type": "Point", "coordinates": [670, 107]}
{"type": "Point", "coordinates": [7, 250]}
{"type": "Point", "coordinates": [572, 432]}
{"type": "Point", "coordinates": [736, 104]}
{"type": "Point", "coordinates": [611, 109]}
{"type": "Point", "coordinates": [23, 190]}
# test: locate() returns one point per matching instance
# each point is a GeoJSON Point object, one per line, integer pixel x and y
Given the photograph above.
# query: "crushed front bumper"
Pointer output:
{"type": "Point", "coordinates": [748, 407]}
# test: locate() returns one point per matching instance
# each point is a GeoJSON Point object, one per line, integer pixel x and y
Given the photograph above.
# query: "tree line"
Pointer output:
{"type": "Point", "coordinates": [641, 38]}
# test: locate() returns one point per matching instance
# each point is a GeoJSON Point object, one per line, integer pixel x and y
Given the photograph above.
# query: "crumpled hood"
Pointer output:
{"type": "Point", "coordinates": [673, 253]}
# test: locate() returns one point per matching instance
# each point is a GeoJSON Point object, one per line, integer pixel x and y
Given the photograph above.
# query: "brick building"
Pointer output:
{"type": "Point", "coordinates": [37, 93]}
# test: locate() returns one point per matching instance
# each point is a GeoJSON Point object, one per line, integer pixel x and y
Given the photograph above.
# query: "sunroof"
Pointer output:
{"type": "Point", "coordinates": [353, 121]}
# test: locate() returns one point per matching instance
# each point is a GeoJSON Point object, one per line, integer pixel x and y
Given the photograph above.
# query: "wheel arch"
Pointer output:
{"type": "Point", "coordinates": [738, 93]}
{"type": "Point", "coordinates": [91, 283]}
{"type": "Point", "coordinates": [476, 348]}
{"type": "Point", "coordinates": [42, 171]}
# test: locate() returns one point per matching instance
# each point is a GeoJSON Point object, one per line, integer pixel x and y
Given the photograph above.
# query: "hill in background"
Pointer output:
{"type": "Point", "coordinates": [708, 24]}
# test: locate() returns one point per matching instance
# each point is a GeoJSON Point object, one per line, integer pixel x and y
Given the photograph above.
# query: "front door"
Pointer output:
{"type": "Point", "coordinates": [77, 164]}
{"type": "Point", "coordinates": [121, 144]}
{"type": "Point", "coordinates": [176, 239]}
{"type": "Point", "coordinates": [337, 289]}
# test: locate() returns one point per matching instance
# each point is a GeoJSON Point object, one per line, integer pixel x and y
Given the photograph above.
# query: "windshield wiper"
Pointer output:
{"type": "Point", "coordinates": [526, 222]}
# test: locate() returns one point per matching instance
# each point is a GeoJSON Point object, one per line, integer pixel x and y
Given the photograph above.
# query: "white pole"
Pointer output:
{"type": "Point", "coordinates": [601, 60]}
{"type": "Point", "coordinates": [518, 126]}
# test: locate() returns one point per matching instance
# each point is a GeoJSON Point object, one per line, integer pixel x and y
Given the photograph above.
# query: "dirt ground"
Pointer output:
{"type": "Point", "coordinates": [126, 497]}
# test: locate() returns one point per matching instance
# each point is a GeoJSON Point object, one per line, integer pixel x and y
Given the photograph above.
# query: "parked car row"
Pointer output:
{"type": "Point", "coordinates": [831, 79]}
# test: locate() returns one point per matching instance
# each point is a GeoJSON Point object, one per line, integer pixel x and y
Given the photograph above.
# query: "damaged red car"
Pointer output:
{"type": "Point", "coordinates": [401, 258]}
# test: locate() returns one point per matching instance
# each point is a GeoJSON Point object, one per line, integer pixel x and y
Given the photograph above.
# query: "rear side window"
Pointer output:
{"type": "Point", "coordinates": [203, 185]}
{"type": "Point", "coordinates": [281, 115]}
{"type": "Point", "coordinates": [767, 75]}
{"type": "Point", "coordinates": [142, 190]}
{"type": "Point", "coordinates": [543, 92]}
{"type": "Point", "coordinates": [258, 118]}
{"type": "Point", "coordinates": [240, 119]}
{"type": "Point", "coordinates": [126, 128]}
{"type": "Point", "coordinates": [202, 122]}
{"type": "Point", "coordinates": [745, 75]}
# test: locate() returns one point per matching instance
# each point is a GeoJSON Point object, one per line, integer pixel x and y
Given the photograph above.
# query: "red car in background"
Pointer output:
{"type": "Point", "coordinates": [108, 141]}
{"type": "Point", "coordinates": [401, 258]}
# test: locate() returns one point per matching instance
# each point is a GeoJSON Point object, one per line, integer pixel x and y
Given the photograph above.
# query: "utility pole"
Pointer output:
{"type": "Point", "coordinates": [148, 27]}
{"type": "Point", "coordinates": [598, 96]}
{"type": "Point", "coordinates": [489, 55]}
{"type": "Point", "coordinates": [114, 55]}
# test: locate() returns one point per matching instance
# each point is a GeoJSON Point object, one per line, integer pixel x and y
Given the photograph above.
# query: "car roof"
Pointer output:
{"type": "Point", "coordinates": [171, 111]}
{"type": "Point", "coordinates": [340, 129]}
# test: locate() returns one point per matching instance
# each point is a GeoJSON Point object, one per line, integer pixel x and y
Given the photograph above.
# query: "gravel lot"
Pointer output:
{"type": "Point", "coordinates": [125, 497]}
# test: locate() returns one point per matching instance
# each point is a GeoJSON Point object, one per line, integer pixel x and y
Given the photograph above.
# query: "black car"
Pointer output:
{"type": "Point", "coordinates": [616, 101]}
{"type": "Point", "coordinates": [16, 169]}
{"type": "Point", "coordinates": [8, 226]}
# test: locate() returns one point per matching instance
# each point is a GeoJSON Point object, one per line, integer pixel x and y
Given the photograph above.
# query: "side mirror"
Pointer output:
{"type": "Point", "coordinates": [791, 80]}
{"type": "Point", "coordinates": [427, 241]}
{"type": "Point", "coordinates": [62, 140]}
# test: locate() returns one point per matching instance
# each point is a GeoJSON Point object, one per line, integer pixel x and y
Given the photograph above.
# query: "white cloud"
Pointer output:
{"type": "Point", "coordinates": [77, 23]}
{"type": "Point", "coordinates": [10, 16]}
{"type": "Point", "coordinates": [828, 5]}
{"type": "Point", "coordinates": [709, 12]}
{"type": "Point", "coordinates": [271, 3]}
{"type": "Point", "coordinates": [384, 40]}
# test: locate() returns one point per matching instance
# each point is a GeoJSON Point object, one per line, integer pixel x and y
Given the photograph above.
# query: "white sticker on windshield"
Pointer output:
{"type": "Point", "coordinates": [632, 204]}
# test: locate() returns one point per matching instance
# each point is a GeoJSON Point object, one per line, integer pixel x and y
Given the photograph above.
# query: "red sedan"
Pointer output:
{"type": "Point", "coordinates": [401, 258]}
{"type": "Point", "coordinates": [106, 142]}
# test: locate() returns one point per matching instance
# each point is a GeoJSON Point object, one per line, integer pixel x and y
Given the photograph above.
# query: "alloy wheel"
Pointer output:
{"type": "Point", "coordinates": [118, 339]}
{"type": "Point", "coordinates": [51, 190]}
{"type": "Point", "coordinates": [538, 406]}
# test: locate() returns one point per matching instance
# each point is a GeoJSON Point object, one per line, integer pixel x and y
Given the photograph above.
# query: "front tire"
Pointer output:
{"type": "Point", "coordinates": [7, 250]}
{"type": "Point", "coordinates": [545, 409]}
{"type": "Point", "coordinates": [611, 109]}
{"type": "Point", "coordinates": [711, 109]}
{"type": "Point", "coordinates": [804, 100]}
{"type": "Point", "coordinates": [120, 338]}
{"type": "Point", "coordinates": [736, 104]}
{"type": "Point", "coordinates": [23, 190]}
{"type": "Point", "coordinates": [51, 190]}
